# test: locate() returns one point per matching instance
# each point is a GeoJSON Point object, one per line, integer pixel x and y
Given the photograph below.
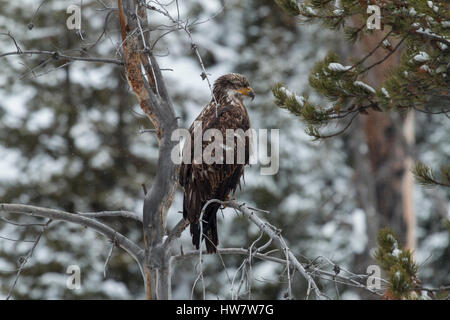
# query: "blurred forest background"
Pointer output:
{"type": "Point", "coordinates": [69, 139]}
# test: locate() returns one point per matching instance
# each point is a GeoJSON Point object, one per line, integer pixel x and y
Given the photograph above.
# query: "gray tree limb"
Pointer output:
{"type": "Point", "coordinates": [278, 240]}
{"type": "Point", "coordinates": [120, 240]}
{"type": "Point", "coordinates": [60, 56]}
{"type": "Point", "coordinates": [151, 91]}
{"type": "Point", "coordinates": [118, 213]}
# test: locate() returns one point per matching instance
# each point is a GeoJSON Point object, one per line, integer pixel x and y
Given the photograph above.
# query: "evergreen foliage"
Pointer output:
{"type": "Point", "coordinates": [398, 264]}
{"type": "Point", "coordinates": [420, 29]}
{"type": "Point", "coordinates": [426, 177]}
{"type": "Point", "coordinates": [402, 271]}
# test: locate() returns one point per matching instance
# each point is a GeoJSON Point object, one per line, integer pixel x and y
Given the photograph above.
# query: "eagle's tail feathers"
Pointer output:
{"type": "Point", "coordinates": [210, 235]}
{"type": "Point", "coordinates": [209, 224]}
{"type": "Point", "coordinates": [195, 232]}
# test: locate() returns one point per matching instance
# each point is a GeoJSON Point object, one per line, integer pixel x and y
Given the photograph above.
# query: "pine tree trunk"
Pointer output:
{"type": "Point", "coordinates": [389, 138]}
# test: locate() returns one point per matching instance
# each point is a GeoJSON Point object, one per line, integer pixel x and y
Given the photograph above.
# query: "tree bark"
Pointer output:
{"type": "Point", "coordinates": [147, 83]}
{"type": "Point", "coordinates": [390, 140]}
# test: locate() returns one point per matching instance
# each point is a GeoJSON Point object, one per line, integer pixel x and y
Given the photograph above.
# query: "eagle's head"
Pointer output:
{"type": "Point", "coordinates": [232, 86]}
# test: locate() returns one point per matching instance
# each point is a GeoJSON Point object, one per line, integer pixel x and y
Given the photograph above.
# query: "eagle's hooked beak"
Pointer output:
{"type": "Point", "coordinates": [249, 92]}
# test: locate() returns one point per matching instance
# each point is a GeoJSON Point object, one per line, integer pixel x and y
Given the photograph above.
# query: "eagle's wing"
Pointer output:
{"type": "Point", "coordinates": [203, 182]}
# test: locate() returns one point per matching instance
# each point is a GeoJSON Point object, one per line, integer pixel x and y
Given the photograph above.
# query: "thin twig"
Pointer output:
{"type": "Point", "coordinates": [59, 56]}
{"type": "Point", "coordinates": [26, 258]}
{"type": "Point", "coordinates": [113, 244]}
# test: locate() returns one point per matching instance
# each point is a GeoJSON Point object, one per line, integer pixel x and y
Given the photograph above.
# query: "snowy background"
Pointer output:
{"type": "Point", "coordinates": [69, 139]}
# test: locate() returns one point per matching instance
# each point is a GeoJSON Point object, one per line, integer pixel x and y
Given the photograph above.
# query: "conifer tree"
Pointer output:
{"type": "Point", "coordinates": [418, 29]}
{"type": "Point", "coordinates": [398, 264]}
{"type": "Point", "coordinates": [402, 271]}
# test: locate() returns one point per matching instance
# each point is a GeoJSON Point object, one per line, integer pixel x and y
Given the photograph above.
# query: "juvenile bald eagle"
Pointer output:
{"type": "Point", "coordinates": [203, 182]}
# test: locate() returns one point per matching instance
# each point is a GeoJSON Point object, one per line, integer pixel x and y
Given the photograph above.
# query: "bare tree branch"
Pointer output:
{"type": "Point", "coordinates": [275, 235]}
{"type": "Point", "coordinates": [59, 56]}
{"type": "Point", "coordinates": [123, 242]}
{"type": "Point", "coordinates": [24, 260]}
{"type": "Point", "coordinates": [22, 224]}
{"type": "Point", "coordinates": [350, 280]}
{"type": "Point", "coordinates": [119, 213]}
{"type": "Point", "coordinates": [113, 244]}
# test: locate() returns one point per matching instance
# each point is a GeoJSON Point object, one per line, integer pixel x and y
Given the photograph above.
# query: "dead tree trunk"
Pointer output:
{"type": "Point", "coordinates": [145, 79]}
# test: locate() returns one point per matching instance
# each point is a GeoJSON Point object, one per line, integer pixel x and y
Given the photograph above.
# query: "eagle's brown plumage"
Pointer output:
{"type": "Point", "coordinates": [203, 182]}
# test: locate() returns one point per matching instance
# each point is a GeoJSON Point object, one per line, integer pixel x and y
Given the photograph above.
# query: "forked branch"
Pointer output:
{"type": "Point", "coordinates": [147, 83]}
